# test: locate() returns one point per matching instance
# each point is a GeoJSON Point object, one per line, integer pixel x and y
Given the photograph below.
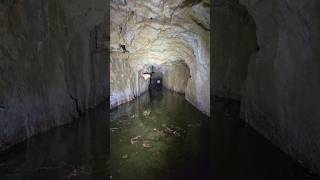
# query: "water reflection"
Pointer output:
{"type": "Point", "coordinates": [75, 151]}
{"type": "Point", "coordinates": [239, 152]}
{"type": "Point", "coordinates": [159, 136]}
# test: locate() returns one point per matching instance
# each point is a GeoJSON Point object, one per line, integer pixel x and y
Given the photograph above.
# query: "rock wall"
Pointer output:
{"type": "Point", "coordinates": [125, 82]}
{"type": "Point", "coordinates": [154, 33]}
{"type": "Point", "coordinates": [175, 76]}
{"type": "Point", "coordinates": [53, 64]}
{"type": "Point", "coordinates": [280, 96]}
{"type": "Point", "coordinates": [234, 41]}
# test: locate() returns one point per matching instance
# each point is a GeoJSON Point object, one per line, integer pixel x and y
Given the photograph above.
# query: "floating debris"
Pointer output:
{"type": "Point", "coordinates": [175, 131]}
{"type": "Point", "coordinates": [146, 144]}
{"type": "Point", "coordinates": [168, 130]}
{"type": "Point", "coordinates": [113, 129]}
{"type": "Point", "coordinates": [134, 139]}
{"type": "Point", "coordinates": [124, 156]}
{"type": "Point", "coordinates": [146, 113]}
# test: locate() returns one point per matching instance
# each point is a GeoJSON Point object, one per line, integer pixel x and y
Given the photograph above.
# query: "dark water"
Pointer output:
{"type": "Point", "coordinates": [222, 148]}
{"type": "Point", "coordinates": [239, 152]}
{"type": "Point", "coordinates": [75, 151]}
{"type": "Point", "coordinates": [159, 136]}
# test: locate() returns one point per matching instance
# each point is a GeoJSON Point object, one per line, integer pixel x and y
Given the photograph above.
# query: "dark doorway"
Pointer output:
{"type": "Point", "coordinates": [155, 80]}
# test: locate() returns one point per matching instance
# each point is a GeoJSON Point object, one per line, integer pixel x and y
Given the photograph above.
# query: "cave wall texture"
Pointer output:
{"type": "Point", "coordinates": [160, 34]}
{"type": "Point", "coordinates": [53, 64]}
{"type": "Point", "coordinates": [176, 76]}
{"type": "Point", "coordinates": [279, 88]}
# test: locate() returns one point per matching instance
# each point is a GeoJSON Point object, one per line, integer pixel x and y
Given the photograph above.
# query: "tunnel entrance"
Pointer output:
{"type": "Point", "coordinates": [173, 75]}
{"type": "Point", "coordinates": [155, 81]}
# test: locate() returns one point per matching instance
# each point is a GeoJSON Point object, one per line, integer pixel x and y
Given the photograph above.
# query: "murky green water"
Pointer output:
{"type": "Point", "coordinates": [75, 151]}
{"type": "Point", "coordinates": [159, 136]}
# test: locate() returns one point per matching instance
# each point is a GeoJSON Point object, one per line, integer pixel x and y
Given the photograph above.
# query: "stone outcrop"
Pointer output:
{"type": "Point", "coordinates": [280, 94]}
{"type": "Point", "coordinates": [160, 34]}
{"type": "Point", "coordinates": [53, 64]}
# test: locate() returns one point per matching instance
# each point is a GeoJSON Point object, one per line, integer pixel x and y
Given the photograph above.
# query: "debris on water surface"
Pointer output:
{"type": "Point", "coordinates": [134, 139]}
{"type": "Point", "coordinates": [146, 144]}
{"type": "Point", "coordinates": [146, 113]}
{"type": "Point", "coordinates": [175, 131]}
{"type": "Point", "coordinates": [124, 156]}
{"type": "Point", "coordinates": [168, 130]}
{"type": "Point", "coordinates": [113, 129]}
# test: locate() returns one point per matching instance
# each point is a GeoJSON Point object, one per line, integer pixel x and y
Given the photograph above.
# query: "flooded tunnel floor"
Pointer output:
{"type": "Point", "coordinates": [159, 136]}
{"type": "Point", "coordinates": [239, 152]}
{"type": "Point", "coordinates": [74, 151]}
{"type": "Point", "coordinates": [162, 136]}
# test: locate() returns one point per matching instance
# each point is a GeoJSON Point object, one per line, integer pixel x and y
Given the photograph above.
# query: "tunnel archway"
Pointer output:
{"type": "Point", "coordinates": [177, 39]}
{"type": "Point", "coordinates": [156, 81]}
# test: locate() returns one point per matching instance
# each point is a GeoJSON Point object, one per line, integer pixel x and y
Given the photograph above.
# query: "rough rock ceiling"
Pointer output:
{"type": "Point", "coordinates": [154, 32]}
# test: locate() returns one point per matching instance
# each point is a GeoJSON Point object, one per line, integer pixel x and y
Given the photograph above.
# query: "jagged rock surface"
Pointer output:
{"type": "Point", "coordinates": [53, 64]}
{"type": "Point", "coordinates": [160, 33]}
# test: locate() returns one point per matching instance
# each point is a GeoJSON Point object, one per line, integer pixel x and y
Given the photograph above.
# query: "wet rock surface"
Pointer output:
{"type": "Point", "coordinates": [234, 41]}
{"type": "Point", "coordinates": [278, 83]}
{"type": "Point", "coordinates": [75, 151]}
{"type": "Point", "coordinates": [240, 152]}
{"type": "Point", "coordinates": [169, 35]}
{"type": "Point", "coordinates": [53, 64]}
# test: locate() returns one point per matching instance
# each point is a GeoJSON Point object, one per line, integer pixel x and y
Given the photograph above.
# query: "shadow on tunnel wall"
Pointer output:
{"type": "Point", "coordinates": [51, 71]}
{"type": "Point", "coordinates": [264, 55]}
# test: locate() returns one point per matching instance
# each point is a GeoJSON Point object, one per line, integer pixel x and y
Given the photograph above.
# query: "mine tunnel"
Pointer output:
{"type": "Point", "coordinates": [155, 80]}
{"type": "Point", "coordinates": [159, 89]}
